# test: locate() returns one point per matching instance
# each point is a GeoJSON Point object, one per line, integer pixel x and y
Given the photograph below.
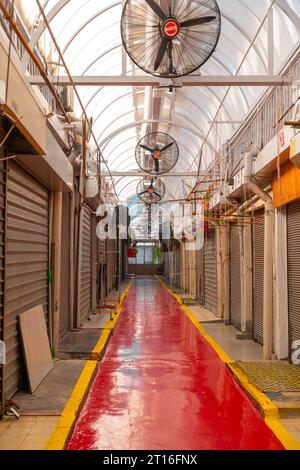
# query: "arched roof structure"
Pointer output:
{"type": "Point", "coordinates": [88, 34]}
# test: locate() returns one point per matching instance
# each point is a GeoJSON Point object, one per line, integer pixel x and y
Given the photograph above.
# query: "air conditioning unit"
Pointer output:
{"type": "Point", "coordinates": [67, 98]}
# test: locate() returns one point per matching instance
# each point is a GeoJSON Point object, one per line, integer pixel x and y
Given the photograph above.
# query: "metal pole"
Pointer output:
{"type": "Point", "coordinates": [57, 229]}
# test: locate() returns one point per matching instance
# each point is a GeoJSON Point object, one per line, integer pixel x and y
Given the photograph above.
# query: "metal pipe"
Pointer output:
{"type": "Point", "coordinates": [79, 265]}
{"type": "Point", "coordinates": [71, 260]}
{"type": "Point", "coordinates": [50, 274]}
{"type": "Point", "coordinates": [57, 231]}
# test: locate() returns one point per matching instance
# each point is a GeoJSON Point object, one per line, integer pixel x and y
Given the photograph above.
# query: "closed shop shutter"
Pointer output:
{"type": "Point", "coordinates": [210, 268]}
{"type": "Point", "coordinates": [2, 254]}
{"type": "Point", "coordinates": [258, 275]}
{"type": "Point", "coordinates": [101, 251]}
{"type": "Point", "coordinates": [258, 234]}
{"type": "Point", "coordinates": [293, 238]}
{"type": "Point", "coordinates": [27, 256]}
{"type": "Point", "coordinates": [65, 267]}
{"type": "Point", "coordinates": [86, 266]}
{"type": "Point", "coordinates": [235, 277]}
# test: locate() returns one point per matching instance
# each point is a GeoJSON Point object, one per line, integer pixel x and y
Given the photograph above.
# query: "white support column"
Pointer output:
{"type": "Point", "coordinates": [271, 41]}
{"type": "Point", "coordinates": [281, 284]}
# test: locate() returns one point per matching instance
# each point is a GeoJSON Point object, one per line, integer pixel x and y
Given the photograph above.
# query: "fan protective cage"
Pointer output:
{"type": "Point", "coordinates": [159, 190]}
{"type": "Point", "coordinates": [170, 38]}
{"type": "Point", "coordinates": [157, 141]}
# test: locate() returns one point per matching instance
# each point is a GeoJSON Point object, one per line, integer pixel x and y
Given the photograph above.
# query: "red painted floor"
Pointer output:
{"type": "Point", "coordinates": [161, 386]}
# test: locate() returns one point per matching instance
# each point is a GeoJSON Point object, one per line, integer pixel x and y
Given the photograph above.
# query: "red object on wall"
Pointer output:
{"type": "Point", "coordinates": [131, 252]}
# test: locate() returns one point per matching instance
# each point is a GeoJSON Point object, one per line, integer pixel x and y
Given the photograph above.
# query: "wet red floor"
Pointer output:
{"type": "Point", "coordinates": [161, 386]}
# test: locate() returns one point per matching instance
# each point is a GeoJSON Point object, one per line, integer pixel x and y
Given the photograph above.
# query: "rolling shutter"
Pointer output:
{"type": "Point", "coordinates": [258, 275]}
{"type": "Point", "coordinates": [2, 256]}
{"type": "Point", "coordinates": [27, 256]}
{"type": "Point", "coordinates": [210, 272]}
{"type": "Point", "coordinates": [86, 266]}
{"type": "Point", "coordinates": [258, 235]}
{"type": "Point", "coordinates": [293, 239]}
{"type": "Point", "coordinates": [235, 277]}
{"type": "Point", "coordinates": [65, 267]}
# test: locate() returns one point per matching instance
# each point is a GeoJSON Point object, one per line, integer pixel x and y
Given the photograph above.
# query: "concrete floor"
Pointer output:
{"type": "Point", "coordinates": [40, 412]}
{"type": "Point", "coordinates": [79, 344]}
{"type": "Point", "coordinates": [53, 393]}
{"type": "Point", "coordinates": [239, 350]}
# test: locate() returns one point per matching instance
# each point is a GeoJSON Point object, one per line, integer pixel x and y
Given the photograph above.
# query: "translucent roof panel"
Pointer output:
{"type": "Point", "coordinates": [88, 34]}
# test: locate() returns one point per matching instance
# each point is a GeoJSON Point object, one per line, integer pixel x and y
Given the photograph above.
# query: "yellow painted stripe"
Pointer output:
{"type": "Point", "coordinates": [269, 409]}
{"type": "Point", "coordinates": [282, 434]}
{"type": "Point", "coordinates": [60, 436]}
{"type": "Point", "coordinates": [109, 327]}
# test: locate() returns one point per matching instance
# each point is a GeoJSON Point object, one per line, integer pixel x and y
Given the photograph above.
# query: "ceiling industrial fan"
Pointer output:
{"type": "Point", "coordinates": [157, 153]}
{"type": "Point", "coordinates": [151, 190]}
{"type": "Point", "coordinates": [170, 38]}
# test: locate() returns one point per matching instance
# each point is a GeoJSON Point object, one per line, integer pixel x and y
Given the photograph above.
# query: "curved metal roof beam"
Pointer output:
{"type": "Point", "coordinates": [122, 129]}
{"type": "Point", "coordinates": [196, 132]}
{"type": "Point", "coordinates": [62, 3]}
{"type": "Point", "coordinates": [112, 162]}
{"type": "Point", "coordinates": [184, 98]}
{"type": "Point", "coordinates": [213, 58]}
{"type": "Point", "coordinates": [211, 90]}
{"type": "Point", "coordinates": [179, 139]}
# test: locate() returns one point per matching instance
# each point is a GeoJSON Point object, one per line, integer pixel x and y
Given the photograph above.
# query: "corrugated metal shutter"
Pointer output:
{"type": "Point", "coordinates": [210, 272]}
{"type": "Point", "coordinates": [235, 277]}
{"type": "Point", "coordinates": [26, 262]}
{"type": "Point", "coordinates": [293, 238]}
{"type": "Point", "coordinates": [101, 251]}
{"type": "Point", "coordinates": [258, 280]}
{"type": "Point", "coordinates": [2, 255]}
{"type": "Point", "coordinates": [65, 267]}
{"type": "Point", "coordinates": [258, 275]}
{"type": "Point", "coordinates": [86, 266]}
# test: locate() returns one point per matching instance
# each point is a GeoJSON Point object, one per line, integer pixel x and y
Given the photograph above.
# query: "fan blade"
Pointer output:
{"type": "Point", "coordinates": [146, 148]}
{"type": "Point", "coordinates": [167, 147]}
{"type": "Point", "coordinates": [198, 21]}
{"type": "Point", "coordinates": [152, 181]}
{"type": "Point", "coordinates": [144, 192]}
{"type": "Point", "coordinates": [157, 10]}
{"type": "Point", "coordinates": [161, 53]}
{"type": "Point", "coordinates": [156, 194]}
{"type": "Point", "coordinates": [157, 165]}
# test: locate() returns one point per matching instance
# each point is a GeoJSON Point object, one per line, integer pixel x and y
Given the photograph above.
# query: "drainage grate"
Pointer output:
{"type": "Point", "coordinates": [272, 376]}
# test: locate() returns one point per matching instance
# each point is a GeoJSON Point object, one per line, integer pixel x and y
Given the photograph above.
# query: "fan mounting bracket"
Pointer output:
{"type": "Point", "coordinates": [169, 85]}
